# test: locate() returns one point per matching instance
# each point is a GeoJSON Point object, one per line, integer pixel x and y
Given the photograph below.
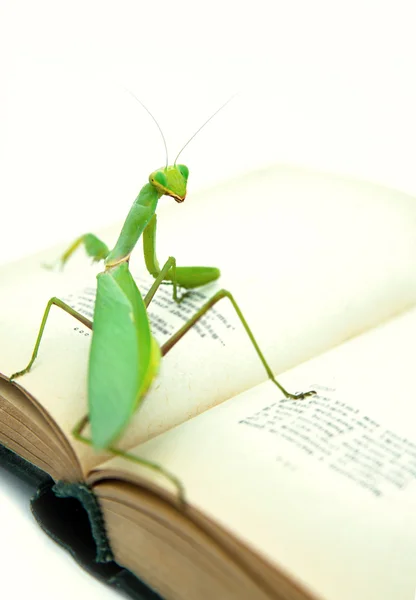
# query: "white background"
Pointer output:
{"type": "Point", "coordinates": [326, 83]}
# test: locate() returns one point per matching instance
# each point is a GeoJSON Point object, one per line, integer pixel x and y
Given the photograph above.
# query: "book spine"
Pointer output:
{"type": "Point", "coordinates": [70, 514]}
{"type": "Point", "coordinates": [85, 496]}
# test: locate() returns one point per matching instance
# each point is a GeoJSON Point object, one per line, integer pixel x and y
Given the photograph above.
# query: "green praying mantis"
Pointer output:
{"type": "Point", "coordinates": [124, 355]}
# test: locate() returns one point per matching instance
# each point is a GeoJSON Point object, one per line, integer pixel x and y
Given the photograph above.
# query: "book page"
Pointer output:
{"type": "Point", "coordinates": [324, 488]}
{"type": "Point", "coordinates": [311, 259]}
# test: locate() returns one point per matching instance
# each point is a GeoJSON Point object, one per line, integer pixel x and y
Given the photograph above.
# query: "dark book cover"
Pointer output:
{"type": "Point", "coordinates": [70, 514]}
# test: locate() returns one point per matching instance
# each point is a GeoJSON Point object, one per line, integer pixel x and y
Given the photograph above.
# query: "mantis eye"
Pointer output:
{"type": "Point", "coordinates": [184, 171]}
{"type": "Point", "coordinates": [161, 178]}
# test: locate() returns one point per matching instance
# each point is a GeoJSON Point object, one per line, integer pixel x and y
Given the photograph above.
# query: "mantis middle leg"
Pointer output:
{"type": "Point", "coordinates": [52, 302]}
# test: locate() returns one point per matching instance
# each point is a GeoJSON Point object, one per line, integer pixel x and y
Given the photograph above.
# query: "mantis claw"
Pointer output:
{"type": "Point", "coordinates": [178, 299]}
{"type": "Point", "coordinates": [300, 395]}
{"type": "Point", "coordinates": [19, 373]}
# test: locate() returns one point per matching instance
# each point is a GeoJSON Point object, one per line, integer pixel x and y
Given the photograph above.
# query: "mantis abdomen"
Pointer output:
{"type": "Point", "coordinates": [124, 357]}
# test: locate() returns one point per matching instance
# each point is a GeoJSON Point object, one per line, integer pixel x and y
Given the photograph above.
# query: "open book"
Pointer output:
{"type": "Point", "coordinates": [311, 499]}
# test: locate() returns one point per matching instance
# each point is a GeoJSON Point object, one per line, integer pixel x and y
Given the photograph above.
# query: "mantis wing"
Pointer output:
{"type": "Point", "coordinates": [123, 357]}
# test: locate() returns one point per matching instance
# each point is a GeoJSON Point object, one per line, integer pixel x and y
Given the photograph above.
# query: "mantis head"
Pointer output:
{"type": "Point", "coordinates": [171, 181]}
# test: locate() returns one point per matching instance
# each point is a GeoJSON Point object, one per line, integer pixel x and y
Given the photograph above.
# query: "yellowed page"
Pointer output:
{"type": "Point", "coordinates": [324, 488]}
{"type": "Point", "coordinates": [312, 259]}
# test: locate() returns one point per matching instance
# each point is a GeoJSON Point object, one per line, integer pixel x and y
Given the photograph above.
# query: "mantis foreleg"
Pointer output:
{"type": "Point", "coordinates": [94, 247]}
{"type": "Point", "coordinates": [168, 268]}
{"type": "Point", "coordinates": [186, 277]}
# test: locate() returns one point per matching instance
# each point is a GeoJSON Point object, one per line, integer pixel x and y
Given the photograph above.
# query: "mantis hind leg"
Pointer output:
{"type": "Point", "coordinates": [77, 433]}
{"type": "Point", "coordinates": [207, 306]}
{"type": "Point", "coordinates": [66, 308]}
{"type": "Point", "coordinates": [94, 247]}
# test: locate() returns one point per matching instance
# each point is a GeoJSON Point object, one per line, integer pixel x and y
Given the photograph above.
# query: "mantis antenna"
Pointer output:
{"type": "Point", "coordinates": [157, 124]}
{"type": "Point", "coordinates": [203, 125]}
